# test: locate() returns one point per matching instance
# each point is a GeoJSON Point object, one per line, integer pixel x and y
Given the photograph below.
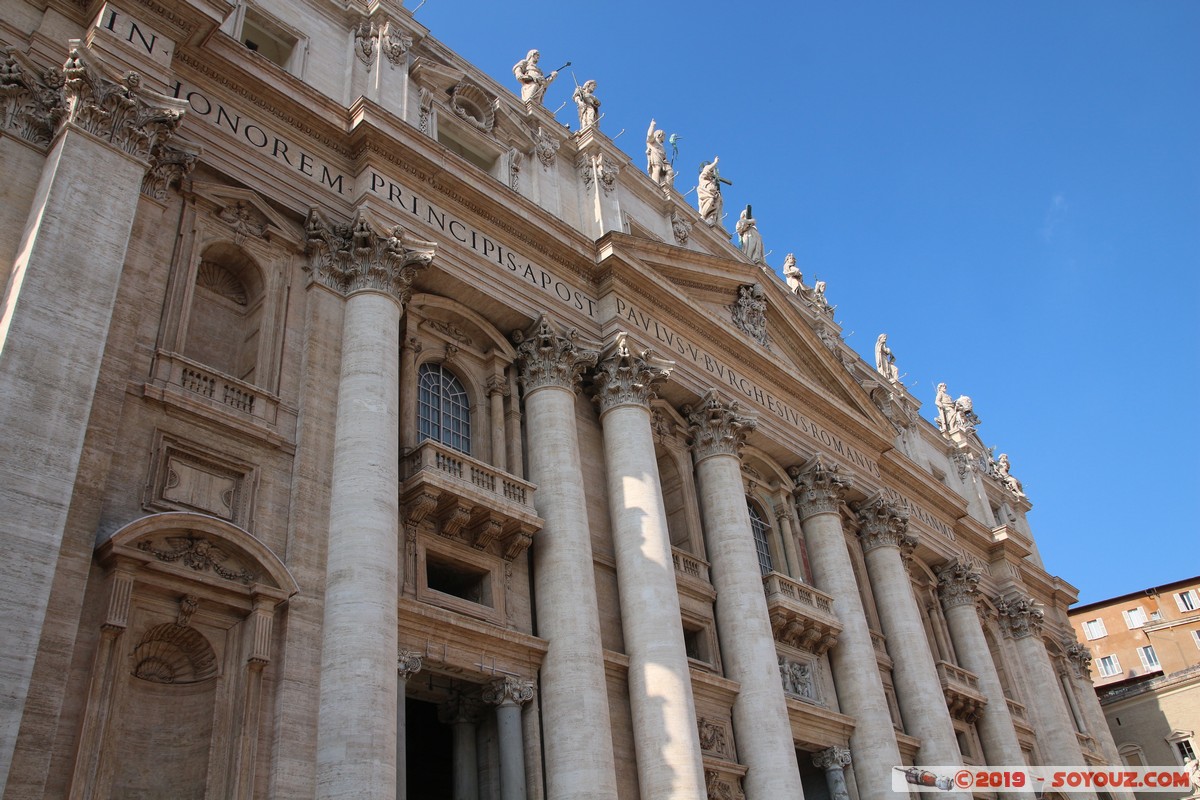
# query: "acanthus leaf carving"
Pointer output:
{"type": "Point", "coordinates": [717, 427]}
{"type": "Point", "coordinates": [170, 164]}
{"type": "Point", "coordinates": [1019, 617]}
{"type": "Point", "coordinates": [509, 690]}
{"type": "Point", "coordinates": [958, 584]}
{"type": "Point", "coordinates": [550, 356]}
{"type": "Point", "coordinates": [118, 110]}
{"type": "Point", "coordinates": [818, 487]}
{"type": "Point", "coordinates": [884, 524]}
{"type": "Point", "coordinates": [32, 102]}
{"type": "Point", "coordinates": [359, 255]}
{"type": "Point", "coordinates": [625, 377]}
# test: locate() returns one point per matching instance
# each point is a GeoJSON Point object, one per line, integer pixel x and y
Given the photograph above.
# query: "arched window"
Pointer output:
{"type": "Point", "coordinates": [443, 409]}
{"type": "Point", "coordinates": [762, 545]}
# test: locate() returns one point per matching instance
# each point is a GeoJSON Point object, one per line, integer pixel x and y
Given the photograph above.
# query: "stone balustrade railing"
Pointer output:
{"type": "Point", "coordinates": [214, 388]}
{"type": "Point", "coordinates": [801, 616]}
{"type": "Point", "coordinates": [689, 565]}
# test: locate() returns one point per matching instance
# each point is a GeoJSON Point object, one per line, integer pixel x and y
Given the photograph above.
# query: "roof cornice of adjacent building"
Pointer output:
{"type": "Point", "coordinates": [1147, 592]}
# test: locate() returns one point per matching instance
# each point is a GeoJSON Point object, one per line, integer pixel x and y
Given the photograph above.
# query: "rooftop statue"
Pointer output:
{"type": "Point", "coordinates": [588, 105]}
{"type": "Point", "coordinates": [749, 238]}
{"type": "Point", "coordinates": [533, 81]}
{"type": "Point", "coordinates": [793, 275]}
{"type": "Point", "coordinates": [708, 192]}
{"type": "Point", "coordinates": [1005, 478]}
{"type": "Point", "coordinates": [885, 360]}
{"type": "Point", "coordinates": [657, 166]}
{"type": "Point", "coordinates": [954, 415]}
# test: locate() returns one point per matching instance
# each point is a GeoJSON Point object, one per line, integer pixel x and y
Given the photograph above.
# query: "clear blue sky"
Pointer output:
{"type": "Point", "coordinates": [1010, 190]}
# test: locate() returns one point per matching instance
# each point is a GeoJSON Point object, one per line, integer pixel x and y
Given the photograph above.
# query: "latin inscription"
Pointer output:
{"type": "Point", "coordinates": [505, 257]}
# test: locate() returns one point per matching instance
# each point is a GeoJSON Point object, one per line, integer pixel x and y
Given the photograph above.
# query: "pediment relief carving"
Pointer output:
{"type": "Point", "coordinates": [248, 215]}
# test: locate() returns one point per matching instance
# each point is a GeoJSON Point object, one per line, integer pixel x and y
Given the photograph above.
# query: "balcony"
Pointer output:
{"type": "Point", "coordinates": [469, 501]}
{"type": "Point", "coordinates": [189, 384]}
{"type": "Point", "coordinates": [963, 698]}
{"type": "Point", "coordinates": [800, 615]}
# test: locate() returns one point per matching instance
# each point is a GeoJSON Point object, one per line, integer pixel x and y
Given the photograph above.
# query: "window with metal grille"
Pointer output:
{"type": "Point", "coordinates": [443, 410]}
{"type": "Point", "coordinates": [762, 545]}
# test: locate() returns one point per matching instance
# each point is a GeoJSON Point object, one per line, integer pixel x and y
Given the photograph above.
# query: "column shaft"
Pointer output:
{"type": "Point", "coordinates": [466, 766]}
{"type": "Point", "coordinates": [356, 748]}
{"type": "Point", "coordinates": [856, 674]}
{"type": "Point", "coordinates": [669, 761]}
{"type": "Point", "coordinates": [579, 755]}
{"type": "Point", "coordinates": [512, 751]}
{"type": "Point", "coordinates": [918, 690]}
{"type": "Point", "coordinates": [764, 733]}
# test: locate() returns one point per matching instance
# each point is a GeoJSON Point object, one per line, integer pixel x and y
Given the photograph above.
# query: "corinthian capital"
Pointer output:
{"type": "Point", "coordinates": [716, 427]}
{"type": "Point", "coordinates": [364, 255]}
{"type": "Point", "coordinates": [832, 758]}
{"type": "Point", "coordinates": [818, 487]}
{"type": "Point", "coordinates": [550, 356]}
{"type": "Point", "coordinates": [628, 378]}
{"type": "Point", "coordinates": [117, 110]}
{"type": "Point", "coordinates": [31, 98]}
{"type": "Point", "coordinates": [958, 584]}
{"type": "Point", "coordinates": [1079, 657]}
{"type": "Point", "coordinates": [884, 524]}
{"type": "Point", "coordinates": [508, 690]}
{"type": "Point", "coordinates": [1019, 617]}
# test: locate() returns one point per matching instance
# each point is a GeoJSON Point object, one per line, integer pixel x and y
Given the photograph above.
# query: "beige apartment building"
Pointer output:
{"type": "Point", "coordinates": [1146, 669]}
{"type": "Point", "coordinates": [370, 434]}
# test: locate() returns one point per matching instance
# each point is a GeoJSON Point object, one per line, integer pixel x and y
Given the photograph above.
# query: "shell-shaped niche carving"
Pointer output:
{"type": "Point", "coordinates": [473, 104]}
{"type": "Point", "coordinates": [216, 278]}
{"type": "Point", "coordinates": [171, 653]}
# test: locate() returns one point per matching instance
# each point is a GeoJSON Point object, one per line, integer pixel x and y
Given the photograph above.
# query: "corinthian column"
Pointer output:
{"type": "Point", "coordinates": [819, 491]}
{"type": "Point", "coordinates": [958, 588]}
{"type": "Point", "coordinates": [669, 761]}
{"type": "Point", "coordinates": [760, 718]}
{"type": "Point", "coordinates": [886, 543]}
{"type": "Point", "coordinates": [508, 695]}
{"type": "Point", "coordinates": [834, 761]}
{"type": "Point", "coordinates": [1080, 659]}
{"type": "Point", "coordinates": [99, 131]}
{"type": "Point", "coordinates": [574, 698]}
{"type": "Point", "coordinates": [1021, 621]}
{"type": "Point", "coordinates": [356, 733]}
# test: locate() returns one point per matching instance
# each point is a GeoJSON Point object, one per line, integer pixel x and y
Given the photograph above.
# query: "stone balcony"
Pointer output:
{"type": "Point", "coordinates": [188, 384]}
{"type": "Point", "coordinates": [963, 697]}
{"type": "Point", "coordinates": [1020, 717]}
{"type": "Point", "coordinates": [469, 501]}
{"type": "Point", "coordinates": [800, 615]}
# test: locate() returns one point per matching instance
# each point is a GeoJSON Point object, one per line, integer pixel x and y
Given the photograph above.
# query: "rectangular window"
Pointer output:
{"type": "Point", "coordinates": [1109, 666]}
{"type": "Point", "coordinates": [1186, 752]}
{"type": "Point", "coordinates": [1148, 656]}
{"type": "Point", "coordinates": [1134, 617]}
{"type": "Point", "coordinates": [1196, 637]}
{"type": "Point", "coordinates": [1187, 601]}
{"type": "Point", "coordinates": [1094, 629]}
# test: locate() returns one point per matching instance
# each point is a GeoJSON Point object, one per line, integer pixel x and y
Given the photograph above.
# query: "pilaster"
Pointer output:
{"type": "Point", "coordinates": [55, 319]}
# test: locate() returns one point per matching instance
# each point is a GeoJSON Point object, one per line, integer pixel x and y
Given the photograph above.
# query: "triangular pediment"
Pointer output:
{"type": "Point", "coordinates": [247, 213]}
{"type": "Point", "coordinates": [700, 294]}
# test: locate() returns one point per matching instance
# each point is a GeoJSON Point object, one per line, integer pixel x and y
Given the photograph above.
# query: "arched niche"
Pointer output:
{"type": "Point", "coordinates": [174, 697]}
{"type": "Point", "coordinates": [225, 320]}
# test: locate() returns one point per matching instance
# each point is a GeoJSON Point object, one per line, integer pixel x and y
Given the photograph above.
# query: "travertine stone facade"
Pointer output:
{"type": "Point", "coordinates": [418, 446]}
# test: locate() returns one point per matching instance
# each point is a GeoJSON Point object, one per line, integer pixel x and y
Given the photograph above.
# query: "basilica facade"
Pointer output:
{"type": "Point", "coordinates": [370, 434]}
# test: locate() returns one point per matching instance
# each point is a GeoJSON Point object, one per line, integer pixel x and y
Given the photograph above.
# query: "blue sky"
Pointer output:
{"type": "Point", "coordinates": [1010, 190]}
